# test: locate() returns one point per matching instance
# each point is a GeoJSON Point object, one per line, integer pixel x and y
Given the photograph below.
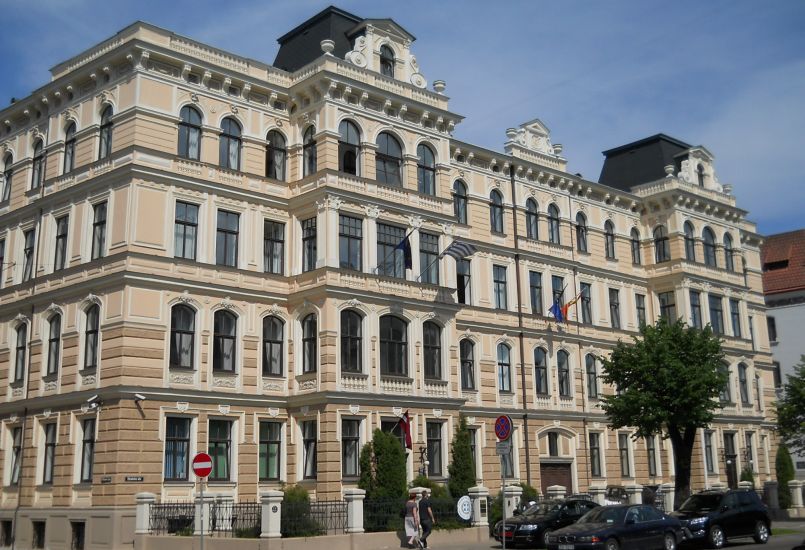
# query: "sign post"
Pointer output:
{"type": "Point", "coordinates": [503, 431]}
{"type": "Point", "coordinates": [202, 466]}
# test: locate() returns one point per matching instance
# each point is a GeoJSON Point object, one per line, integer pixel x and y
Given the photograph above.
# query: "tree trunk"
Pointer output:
{"type": "Point", "coordinates": [682, 441]}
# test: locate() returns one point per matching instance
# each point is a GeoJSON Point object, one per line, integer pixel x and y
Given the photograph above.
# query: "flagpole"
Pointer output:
{"type": "Point", "coordinates": [393, 251]}
{"type": "Point", "coordinates": [439, 257]}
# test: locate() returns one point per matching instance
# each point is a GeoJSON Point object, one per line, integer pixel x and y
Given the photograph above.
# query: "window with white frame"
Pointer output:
{"type": "Point", "coordinates": [48, 453]}
{"type": "Point", "coordinates": [92, 319]}
{"type": "Point", "coordinates": [87, 449]}
{"type": "Point", "coordinates": [177, 448]}
{"type": "Point", "coordinates": [434, 448]}
{"type": "Point", "coordinates": [98, 230]}
{"type": "Point", "coordinates": [54, 345]}
{"type": "Point", "coordinates": [270, 449]}
{"type": "Point", "coordinates": [183, 334]}
{"type": "Point", "coordinates": [21, 352]}
{"type": "Point", "coordinates": [541, 371]}
{"type": "Point", "coordinates": [467, 351]}
{"type": "Point", "coordinates": [309, 451]}
{"type": "Point", "coordinates": [595, 454]}
{"type": "Point", "coordinates": [623, 453]}
{"type": "Point", "coordinates": [224, 342]}
{"type": "Point", "coordinates": [16, 455]}
{"type": "Point", "coordinates": [350, 446]}
{"type": "Point", "coordinates": [220, 449]}
{"type": "Point", "coordinates": [273, 247]}
{"type": "Point", "coordinates": [60, 246]}
{"type": "Point", "coordinates": [504, 369]}
{"type": "Point", "coordinates": [709, 453]}
{"type": "Point", "coordinates": [273, 331]}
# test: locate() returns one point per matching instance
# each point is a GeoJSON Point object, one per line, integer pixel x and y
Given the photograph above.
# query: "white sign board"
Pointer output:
{"type": "Point", "coordinates": [503, 447]}
{"type": "Point", "coordinates": [464, 508]}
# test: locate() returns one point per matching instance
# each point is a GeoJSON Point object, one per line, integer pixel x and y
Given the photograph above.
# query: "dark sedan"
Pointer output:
{"type": "Point", "coordinates": [530, 527]}
{"type": "Point", "coordinates": [715, 516]}
{"type": "Point", "coordinates": [623, 526]}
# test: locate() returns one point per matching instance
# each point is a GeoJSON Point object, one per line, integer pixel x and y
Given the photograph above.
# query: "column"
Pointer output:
{"type": "Point", "coordinates": [634, 493]}
{"type": "Point", "coordinates": [271, 503]}
{"type": "Point", "coordinates": [770, 490]}
{"type": "Point", "coordinates": [203, 509]}
{"type": "Point", "coordinates": [354, 498]}
{"type": "Point", "coordinates": [480, 514]}
{"type": "Point", "coordinates": [668, 493]}
{"type": "Point", "coordinates": [370, 238]}
{"type": "Point", "coordinates": [597, 492]}
{"type": "Point", "coordinates": [795, 486]}
{"type": "Point", "coordinates": [511, 499]}
{"type": "Point", "coordinates": [414, 223]}
{"type": "Point", "coordinates": [142, 522]}
{"type": "Point", "coordinates": [557, 491]}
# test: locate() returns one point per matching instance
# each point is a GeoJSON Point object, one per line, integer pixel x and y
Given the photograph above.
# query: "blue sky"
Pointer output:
{"type": "Point", "coordinates": [727, 74]}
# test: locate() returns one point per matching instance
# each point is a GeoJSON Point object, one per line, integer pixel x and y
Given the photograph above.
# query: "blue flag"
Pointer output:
{"type": "Point", "coordinates": [405, 246]}
{"type": "Point", "coordinates": [556, 311]}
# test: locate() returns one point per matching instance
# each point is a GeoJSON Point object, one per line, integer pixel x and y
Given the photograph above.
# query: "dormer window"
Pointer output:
{"type": "Point", "coordinates": [700, 174]}
{"type": "Point", "coordinates": [386, 61]}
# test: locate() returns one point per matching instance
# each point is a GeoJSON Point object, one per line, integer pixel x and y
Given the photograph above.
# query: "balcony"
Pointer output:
{"type": "Point", "coordinates": [388, 286]}
{"type": "Point", "coordinates": [676, 184]}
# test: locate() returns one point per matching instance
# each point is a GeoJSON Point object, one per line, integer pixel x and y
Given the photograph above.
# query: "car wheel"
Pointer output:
{"type": "Point", "coordinates": [670, 542]}
{"type": "Point", "coordinates": [545, 536]}
{"type": "Point", "coordinates": [761, 535]}
{"type": "Point", "coordinates": [612, 544]}
{"type": "Point", "coordinates": [716, 537]}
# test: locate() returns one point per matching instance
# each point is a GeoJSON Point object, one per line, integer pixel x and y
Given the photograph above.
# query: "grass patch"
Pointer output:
{"type": "Point", "coordinates": [776, 532]}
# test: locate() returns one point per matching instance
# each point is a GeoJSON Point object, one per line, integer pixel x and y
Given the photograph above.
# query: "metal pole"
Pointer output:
{"type": "Point", "coordinates": [503, 500]}
{"type": "Point", "coordinates": [201, 515]}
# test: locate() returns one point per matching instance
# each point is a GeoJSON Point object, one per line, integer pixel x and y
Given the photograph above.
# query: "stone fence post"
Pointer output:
{"type": "Point", "coordinates": [557, 491]}
{"type": "Point", "coordinates": [748, 485]}
{"type": "Point", "coordinates": [796, 511]}
{"type": "Point", "coordinates": [271, 520]}
{"type": "Point", "coordinates": [203, 519]}
{"type": "Point", "coordinates": [142, 521]}
{"type": "Point", "coordinates": [634, 493]}
{"type": "Point", "coordinates": [480, 514]}
{"type": "Point", "coordinates": [511, 498]}
{"type": "Point", "coordinates": [597, 493]}
{"type": "Point", "coordinates": [668, 493]}
{"type": "Point", "coordinates": [354, 498]}
{"type": "Point", "coordinates": [772, 500]}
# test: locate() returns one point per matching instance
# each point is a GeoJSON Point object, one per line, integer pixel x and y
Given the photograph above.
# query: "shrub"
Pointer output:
{"type": "Point", "coordinates": [296, 519]}
{"type": "Point", "coordinates": [748, 475]}
{"type": "Point", "coordinates": [462, 465]}
{"type": "Point", "coordinates": [785, 473]}
{"type": "Point", "coordinates": [383, 467]}
{"type": "Point", "coordinates": [436, 490]}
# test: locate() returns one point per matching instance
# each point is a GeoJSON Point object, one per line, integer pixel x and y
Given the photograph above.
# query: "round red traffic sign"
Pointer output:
{"type": "Point", "coordinates": [503, 427]}
{"type": "Point", "coordinates": [202, 464]}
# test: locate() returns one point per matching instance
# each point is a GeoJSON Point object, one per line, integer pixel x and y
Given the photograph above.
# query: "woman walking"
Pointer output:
{"type": "Point", "coordinates": [411, 519]}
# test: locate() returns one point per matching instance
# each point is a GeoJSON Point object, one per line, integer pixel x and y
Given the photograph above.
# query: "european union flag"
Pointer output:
{"type": "Point", "coordinates": [405, 246]}
{"type": "Point", "coordinates": [556, 311]}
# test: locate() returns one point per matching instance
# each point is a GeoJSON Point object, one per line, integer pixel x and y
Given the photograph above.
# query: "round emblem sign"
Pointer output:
{"type": "Point", "coordinates": [503, 427]}
{"type": "Point", "coordinates": [464, 508]}
{"type": "Point", "coordinates": [202, 464]}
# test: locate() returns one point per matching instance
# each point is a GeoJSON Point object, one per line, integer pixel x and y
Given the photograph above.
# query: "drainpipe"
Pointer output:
{"type": "Point", "coordinates": [526, 438]}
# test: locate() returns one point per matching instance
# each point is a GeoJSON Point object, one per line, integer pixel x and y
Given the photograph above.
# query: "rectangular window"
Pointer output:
{"type": "Point", "coordinates": [60, 257]}
{"type": "Point", "coordinates": [463, 281]}
{"type": "Point", "coordinates": [507, 464]}
{"type": "Point", "coordinates": [695, 309]}
{"type": "Point", "coordinates": [309, 440]}
{"type": "Point", "coordinates": [220, 449]}
{"type": "Point", "coordinates": [16, 455]}
{"type": "Point", "coordinates": [499, 286]}
{"type": "Point", "coordinates": [350, 242]}
{"type": "Point", "coordinates": [708, 453]}
{"type": "Point", "coordinates": [614, 308]}
{"type": "Point", "coordinates": [535, 282]}
{"type": "Point", "coordinates": [640, 308]}
{"type": "Point", "coordinates": [750, 451]}
{"type": "Point", "coordinates": [434, 446]}
{"type": "Point", "coordinates": [429, 258]}
{"type": "Point", "coordinates": [185, 230]}
{"type": "Point", "coordinates": [391, 260]}
{"type": "Point", "coordinates": [177, 448]}
{"type": "Point", "coordinates": [558, 289]}
{"type": "Point", "coordinates": [667, 306]}
{"type": "Point", "coordinates": [651, 451]}
{"type": "Point", "coordinates": [273, 247]}
{"type": "Point", "coordinates": [716, 313]}
{"type": "Point", "coordinates": [350, 447]}
{"type": "Point", "coordinates": [78, 532]}
{"type": "Point", "coordinates": [778, 374]}
{"type": "Point", "coordinates": [735, 316]}
{"type": "Point", "coordinates": [2, 261]}
{"type": "Point", "coordinates": [393, 427]}
{"type": "Point", "coordinates": [270, 441]}
{"type": "Point", "coordinates": [771, 322]}
{"type": "Point", "coordinates": [29, 238]}
{"type": "Point", "coordinates": [98, 230]}
{"type": "Point", "coordinates": [553, 444]}
{"type": "Point", "coordinates": [87, 449]}
{"type": "Point", "coordinates": [595, 454]}
{"type": "Point", "coordinates": [38, 534]}
{"type": "Point", "coordinates": [226, 238]}
{"type": "Point", "coordinates": [751, 323]}
{"type": "Point", "coordinates": [50, 454]}
{"type": "Point", "coordinates": [623, 451]}
{"type": "Point", "coordinates": [474, 445]}
{"type": "Point", "coordinates": [6, 531]}
{"type": "Point", "coordinates": [586, 303]}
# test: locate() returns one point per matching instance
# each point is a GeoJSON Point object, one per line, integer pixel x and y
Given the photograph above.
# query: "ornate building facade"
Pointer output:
{"type": "Point", "coordinates": [202, 252]}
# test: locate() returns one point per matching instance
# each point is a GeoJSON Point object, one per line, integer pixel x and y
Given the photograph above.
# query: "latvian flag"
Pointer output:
{"type": "Point", "coordinates": [458, 250]}
{"type": "Point", "coordinates": [405, 426]}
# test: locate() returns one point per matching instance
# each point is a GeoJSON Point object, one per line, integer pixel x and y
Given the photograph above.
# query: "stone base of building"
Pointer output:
{"type": "Point", "coordinates": [69, 528]}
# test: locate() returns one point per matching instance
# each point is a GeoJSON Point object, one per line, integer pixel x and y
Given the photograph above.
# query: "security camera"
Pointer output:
{"type": "Point", "coordinates": [139, 397]}
{"type": "Point", "coordinates": [92, 399]}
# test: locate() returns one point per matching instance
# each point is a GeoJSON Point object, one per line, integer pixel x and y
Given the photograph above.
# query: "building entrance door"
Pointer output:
{"type": "Point", "coordinates": [551, 473]}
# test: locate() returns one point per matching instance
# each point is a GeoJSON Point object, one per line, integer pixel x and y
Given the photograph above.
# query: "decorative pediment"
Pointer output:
{"type": "Point", "coordinates": [534, 136]}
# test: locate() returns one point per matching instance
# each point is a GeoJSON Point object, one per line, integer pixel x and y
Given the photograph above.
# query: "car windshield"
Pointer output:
{"type": "Point", "coordinates": [700, 503]}
{"type": "Point", "coordinates": [604, 514]}
{"type": "Point", "coordinates": [542, 508]}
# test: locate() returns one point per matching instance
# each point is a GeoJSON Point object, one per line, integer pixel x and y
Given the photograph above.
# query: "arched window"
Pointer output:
{"type": "Point", "coordinates": [8, 172]}
{"type": "Point", "coordinates": [54, 344]}
{"type": "Point", "coordinates": [38, 167]}
{"type": "Point", "coordinates": [700, 174]}
{"type": "Point", "coordinates": [563, 369]}
{"type": "Point", "coordinates": [432, 344]}
{"type": "Point", "coordinates": [189, 133]}
{"type": "Point", "coordinates": [393, 346]}
{"type": "Point", "coordinates": [553, 224]}
{"type": "Point", "coordinates": [349, 148]}
{"type": "Point", "coordinates": [690, 242]}
{"type": "Point", "coordinates": [460, 201]}
{"type": "Point", "coordinates": [309, 336]}
{"type": "Point", "coordinates": [105, 148]}
{"type": "Point", "coordinates": [183, 332]}
{"type": "Point", "coordinates": [19, 357]}
{"type": "Point", "coordinates": [276, 154]}
{"type": "Point", "coordinates": [592, 375]}
{"type": "Point", "coordinates": [581, 232]}
{"type": "Point", "coordinates": [662, 250]}
{"type": "Point", "coordinates": [467, 350]}
{"type": "Point", "coordinates": [351, 341]}
{"type": "Point", "coordinates": [743, 383]}
{"type": "Point", "coordinates": [273, 329]}
{"type": "Point", "coordinates": [504, 369]}
{"type": "Point", "coordinates": [541, 371]}
{"type": "Point", "coordinates": [609, 240]}
{"type": "Point", "coordinates": [224, 341]}
{"type": "Point", "coordinates": [729, 261]}
{"type": "Point", "coordinates": [309, 152]}
{"type": "Point", "coordinates": [635, 243]}
{"type": "Point", "coordinates": [725, 396]}
{"type": "Point", "coordinates": [709, 243]}
{"type": "Point", "coordinates": [91, 337]}
{"type": "Point", "coordinates": [388, 160]}
{"type": "Point", "coordinates": [496, 211]}
{"type": "Point", "coordinates": [531, 223]}
{"type": "Point", "coordinates": [386, 61]}
{"type": "Point", "coordinates": [69, 148]}
{"type": "Point", "coordinates": [426, 170]}
{"type": "Point", "coordinates": [229, 144]}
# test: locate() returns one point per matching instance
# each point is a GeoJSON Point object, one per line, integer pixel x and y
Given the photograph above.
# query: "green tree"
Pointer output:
{"type": "Point", "coordinates": [668, 380]}
{"type": "Point", "coordinates": [462, 465]}
{"type": "Point", "coordinates": [784, 468]}
{"type": "Point", "coordinates": [791, 409]}
{"type": "Point", "coordinates": [383, 467]}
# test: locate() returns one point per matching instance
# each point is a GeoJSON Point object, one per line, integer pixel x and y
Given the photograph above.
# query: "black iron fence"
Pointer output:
{"type": "Point", "coordinates": [172, 518]}
{"type": "Point", "coordinates": [386, 514]}
{"type": "Point", "coordinates": [235, 519]}
{"type": "Point", "coordinates": [445, 510]}
{"type": "Point", "coordinates": [313, 518]}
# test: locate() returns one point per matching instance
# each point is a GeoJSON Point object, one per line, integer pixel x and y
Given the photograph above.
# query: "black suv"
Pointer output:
{"type": "Point", "coordinates": [715, 516]}
{"type": "Point", "coordinates": [532, 525]}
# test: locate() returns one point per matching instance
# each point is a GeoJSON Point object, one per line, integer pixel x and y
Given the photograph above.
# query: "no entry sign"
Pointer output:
{"type": "Point", "coordinates": [202, 464]}
{"type": "Point", "coordinates": [503, 427]}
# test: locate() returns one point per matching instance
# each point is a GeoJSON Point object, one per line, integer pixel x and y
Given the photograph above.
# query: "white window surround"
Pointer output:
{"type": "Point", "coordinates": [39, 424]}
{"type": "Point", "coordinates": [284, 423]}
{"type": "Point", "coordinates": [193, 416]}
{"type": "Point", "coordinates": [76, 439]}
{"type": "Point", "coordinates": [89, 219]}
{"type": "Point", "coordinates": [197, 338]}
